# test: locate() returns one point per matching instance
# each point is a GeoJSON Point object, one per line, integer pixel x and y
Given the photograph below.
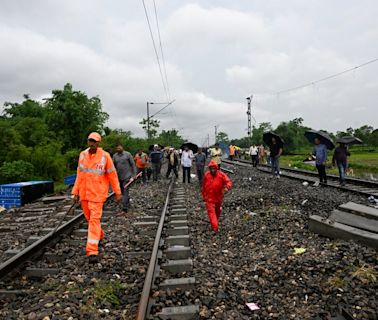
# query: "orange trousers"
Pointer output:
{"type": "Point", "coordinates": [214, 211]}
{"type": "Point", "coordinates": [93, 212]}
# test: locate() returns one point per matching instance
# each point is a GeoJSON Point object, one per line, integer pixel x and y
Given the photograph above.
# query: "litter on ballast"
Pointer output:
{"type": "Point", "coordinates": [252, 306]}
{"type": "Point", "coordinates": [299, 250]}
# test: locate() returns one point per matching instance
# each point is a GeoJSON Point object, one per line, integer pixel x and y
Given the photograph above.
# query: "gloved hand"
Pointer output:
{"type": "Point", "coordinates": [76, 198]}
{"type": "Point", "coordinates": [118, 197]}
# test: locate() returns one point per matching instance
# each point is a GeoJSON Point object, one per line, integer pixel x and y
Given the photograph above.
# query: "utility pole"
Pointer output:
{"type": "Point", "coordinates": [216, 132]}
{"type": "Point", "coordinates": [249, 99]}
{"type": "Point", "coordinates": [148, 119]}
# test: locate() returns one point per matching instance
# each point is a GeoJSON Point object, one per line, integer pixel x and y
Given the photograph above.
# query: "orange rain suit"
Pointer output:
{"type": "Point", "coordinates": [213, 193]}
{"type": "Point", "coordinates": [94, 173]}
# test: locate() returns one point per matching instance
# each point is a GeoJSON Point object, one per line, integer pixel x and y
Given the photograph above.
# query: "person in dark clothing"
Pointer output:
{"type": "Point", "coordinates": [126, 171]}
{"type": "Point", "coordinates": [155, 160]}
{"type": "Point", "coordinates": [340, 157]}
{"type": "Point", "coordinates": [200, 159]}
{"type": "Point", "coordinates": [173, 160]}
{"type": "Point", "coordinates": [275, 154]}
{"type": "Point", "coordinates": [320, 153]}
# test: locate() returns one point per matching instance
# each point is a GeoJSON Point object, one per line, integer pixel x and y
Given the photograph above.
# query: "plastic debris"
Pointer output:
{"type": "Point", "coordinates": [316, 184]}
{"type": "Point", "coordinates": [373, 200]}
{"type": "Point", "coordinates": [299, 250]}
{"type": "Point", "coordinates": [252, 306]}
{"type": "Point", "coordinates": [304, 202]}
{"type": "Point", "coordinates": [305, 183]}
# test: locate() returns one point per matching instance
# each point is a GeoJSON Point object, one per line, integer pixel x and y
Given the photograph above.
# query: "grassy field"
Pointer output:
{"type": "Point", "coordinates": [363, 163]}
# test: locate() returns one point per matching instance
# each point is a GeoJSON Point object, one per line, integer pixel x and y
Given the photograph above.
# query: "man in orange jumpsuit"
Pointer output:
{"type": "Point", "coordinates": [215, 184]}
{"type": "Point", "coordinates": [94, 173]}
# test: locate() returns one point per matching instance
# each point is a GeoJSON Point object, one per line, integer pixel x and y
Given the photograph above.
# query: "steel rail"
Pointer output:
{"type": "Point", "coordinates": [351, 180]}
{"type": "Point", "coordinates": [145, 297]}
{"type": "Point", "coordinates": [294, 174]}
{"type": "Point", "coordinates": [24, 255]}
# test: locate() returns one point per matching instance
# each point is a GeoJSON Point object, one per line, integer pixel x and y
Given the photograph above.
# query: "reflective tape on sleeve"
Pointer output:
{"type": "Point", "coordinates": [94, 241]}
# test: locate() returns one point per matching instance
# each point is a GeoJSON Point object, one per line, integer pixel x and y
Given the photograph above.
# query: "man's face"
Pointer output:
{"type": "Point", "coordinates": [199, 150]}
{"type": "Point", "coordinates": [93, 144]}
{"type": "Point", "coordinates": [213, 170]}
{"type": "Point", "coordinates": [119, 149]}
{"type": "Point", "coordinates": [317, 141]}
{"type": "Point", "coordinates": [274, 140]}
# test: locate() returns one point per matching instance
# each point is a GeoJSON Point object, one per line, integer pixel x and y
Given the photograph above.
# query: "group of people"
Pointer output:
{"type": "Point", "coordinates": [319, 156]}
{"type": "Point", "coordinates": [97, 170]}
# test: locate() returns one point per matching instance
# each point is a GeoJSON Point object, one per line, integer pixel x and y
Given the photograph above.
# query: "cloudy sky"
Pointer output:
{"type": "Point", "coordinates": [217, 53]}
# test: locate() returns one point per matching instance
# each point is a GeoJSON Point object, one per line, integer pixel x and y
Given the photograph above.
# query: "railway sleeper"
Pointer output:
{"type": "Point", "coordinates": [178, 266]}
{"type": "Point", "coordinates": [179, 313]}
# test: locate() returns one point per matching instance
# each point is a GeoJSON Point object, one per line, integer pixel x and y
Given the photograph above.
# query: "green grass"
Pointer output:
{"type": "Point", "coordinates": [59, 186]}
{"type": "Point", "coordinates": [363, 163]}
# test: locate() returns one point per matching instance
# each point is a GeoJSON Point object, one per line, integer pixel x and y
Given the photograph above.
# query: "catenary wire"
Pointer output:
{"type": "Point", "coordinates": [156, 52]}
{"type": "Point", "coordinates": [161, 51]}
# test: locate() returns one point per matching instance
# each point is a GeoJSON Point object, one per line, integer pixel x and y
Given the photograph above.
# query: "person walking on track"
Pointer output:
{"type": "Point", "coordinates": [215, 184]}
{"type": "Point", "coordinates": [254, 152]}
{"type": "Point", "coordinates": [232, 152]}
{"type": "Point", "coordinates": [173, 161]}
{"type": "Point", "coordinates": [94, 173]}
{"type": "Point", "coordinates": [141, 163]}
{"type": "Point", "coordinates": [156, 161]}
{"type": "Point", "coordinates": [320, 152]}
{"type": "Point", "coordinates": [200, 159]}
{"type": "Point", "coordinates": [340, 159]}
{"type": "Point", "coordinates": [186, 162]}
{"type": "Point", "coordinates": [275, 154]}
{"type": "Point", "coordinates": [216, 155]}
{"type": "Point", "coordinates": [126, 171]}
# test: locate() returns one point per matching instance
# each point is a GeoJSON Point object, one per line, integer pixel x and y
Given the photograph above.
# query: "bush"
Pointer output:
{"type": "Point", "coordinates": [16, 171]}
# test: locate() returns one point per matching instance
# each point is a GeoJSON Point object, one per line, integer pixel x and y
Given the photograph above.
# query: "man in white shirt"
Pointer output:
{"type": "Point", "coordinates": [186, 162]}
{"type": "Point", "coordinates": [254, 152]}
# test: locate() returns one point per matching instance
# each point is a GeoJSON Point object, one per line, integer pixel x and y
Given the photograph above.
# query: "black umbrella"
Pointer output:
{"type": "Point", "coordinates": [267, 137]}
{"type": "Point", "coordinates": [151, 147]}
{"type": "Point", "coordinates": [349, 140]}
{"type": "Point", "coordinates": [322, 136]}
{"type": "Point", "coordinates": [190, 145]}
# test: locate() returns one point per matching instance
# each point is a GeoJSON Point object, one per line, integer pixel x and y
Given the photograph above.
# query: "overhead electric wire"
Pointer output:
{"type": "Point", "coordinates": [156, 53]}
{"type": "Point", "coordinates": [161, 51]}
{"type": "Point", "coordinates": [325, 78]}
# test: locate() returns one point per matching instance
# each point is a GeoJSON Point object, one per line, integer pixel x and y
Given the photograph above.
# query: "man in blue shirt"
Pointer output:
{"type": "Point", "coordinates": [320, 152]}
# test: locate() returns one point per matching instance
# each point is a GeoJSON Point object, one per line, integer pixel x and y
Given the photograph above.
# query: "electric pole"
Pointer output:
{"type": "Point", "coordinates": [148, 119]}
{"type": "Point", "coordinates": [216, 132]}
{"type": "Point", "coordinates": [249, 99]}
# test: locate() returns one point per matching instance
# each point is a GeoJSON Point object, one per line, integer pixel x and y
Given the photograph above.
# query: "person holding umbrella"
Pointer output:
{"type": "Point", "coordinates": [341, 154]}
{"type": "Point", "coordinates": [339, 159]}
{"type": "Point", "coordinates": [320, 153]}
{"type": "Point", "coordinates": [322, 142]}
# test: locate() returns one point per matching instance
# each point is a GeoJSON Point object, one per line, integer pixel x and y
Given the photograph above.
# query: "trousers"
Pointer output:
{"type": "Point", "coordinates": [322, 173]}
{"type": "Point", "coordinates": [125, 194]}
{"type": "Point", "coordinates": [214, 211]}
{"type": "Point", "coordinates": [93, 212]}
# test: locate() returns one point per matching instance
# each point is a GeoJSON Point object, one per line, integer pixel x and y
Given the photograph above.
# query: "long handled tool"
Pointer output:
{"type": "Point", "coordinates": [61, 220]}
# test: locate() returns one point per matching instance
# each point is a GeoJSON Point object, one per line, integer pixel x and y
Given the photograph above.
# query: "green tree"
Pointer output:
{"type": "Point", "coordinates": [151, 131]}
{"type": "Point", "coordinates": [222, 136]}
{"type": "Point", "coordinates": [257, 133]}
{"type": "Point", "coordinates": [16, 171]}
{"type": "Point", "coordinates": [72, 115]}
{"type": "Point", "coordinates": [27, 109]}
{"type": "Point", "coordinates": [170, 138]}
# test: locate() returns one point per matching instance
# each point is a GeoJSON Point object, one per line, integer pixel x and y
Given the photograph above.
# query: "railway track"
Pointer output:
{"type": "Point", "coordinates": [170, 264]}
{"type": "Point", "coordinates": [364, 187]}
{"type": "Point", "coordinates": [41, 243]}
